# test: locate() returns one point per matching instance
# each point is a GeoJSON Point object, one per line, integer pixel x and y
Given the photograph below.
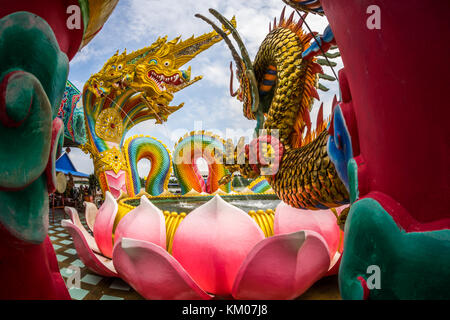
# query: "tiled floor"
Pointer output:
{"type": "Point", "coordinates": [95, 287]}
{"type": "Point", "coordinates": [92, 286]}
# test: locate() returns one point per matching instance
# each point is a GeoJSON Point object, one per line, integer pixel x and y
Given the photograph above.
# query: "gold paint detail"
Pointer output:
{"type": "Point", "coordinates": [109, 125]}
{"type": "Point", "coordinates": [111, 159]}
{"type": "Point", "coordinates": [173, 220]}
{"type": "Point", "coordinates": [265, 220]}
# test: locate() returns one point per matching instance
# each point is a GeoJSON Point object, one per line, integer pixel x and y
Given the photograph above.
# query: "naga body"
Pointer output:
{"type": "Point", "coordinates": [187, 151]}
{"type": "Point", "coordinates": [277, 90]}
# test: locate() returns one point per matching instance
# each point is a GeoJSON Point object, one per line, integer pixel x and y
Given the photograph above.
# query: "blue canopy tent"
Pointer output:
{"type": "Point", "coordinates": [65, 165]}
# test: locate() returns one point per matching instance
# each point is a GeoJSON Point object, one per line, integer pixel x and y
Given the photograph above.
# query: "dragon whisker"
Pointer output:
{"type": "Point", "coordinates": [234, 53]}
{"type": "Point", "coordinates": [236, 36]}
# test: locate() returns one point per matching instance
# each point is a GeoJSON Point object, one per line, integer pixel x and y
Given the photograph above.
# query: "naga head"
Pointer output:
{"type": "Point", "coordinates": [248, 86]}
{"type": "Point", "coordinates": [153, 71]}
{"type": "Point", "coordinates": [160, 71]}
{"type": "Point", "coordinates": [114, 68]}
{"type": "Point", "coordinates": [110, 77]}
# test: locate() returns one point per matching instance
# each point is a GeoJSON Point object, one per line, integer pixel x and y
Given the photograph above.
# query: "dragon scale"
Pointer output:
{"type": "Point", "coordinates": [282, 50]}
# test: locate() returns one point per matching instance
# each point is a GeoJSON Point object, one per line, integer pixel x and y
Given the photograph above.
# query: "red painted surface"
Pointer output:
{"type": "Point", "coordinates": [29, 271]}
{"type": "Point", "coordinates": [397, 80]}
{"type": "Point", "coordinates": [55, 13]}
{"type": "Point", "coordinates": [57, 131]}
{"type": "Point", "coordinates": [366, 291]}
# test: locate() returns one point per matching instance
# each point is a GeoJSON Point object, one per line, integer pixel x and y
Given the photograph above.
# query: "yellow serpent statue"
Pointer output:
{"type": "Point", "coordinates": [131, 88]}
{"type": "Point", "coordinates": [277, 90]}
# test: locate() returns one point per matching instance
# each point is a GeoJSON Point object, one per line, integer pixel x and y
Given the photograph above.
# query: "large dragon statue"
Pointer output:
{"type": "Point", "coordinates": [129, 89]}
{"type": "Point", "coordinates": [385, 133]}
{"type": "Point", "coordinates": [278, 89]}
{"type": "Point", "coordinates": [35, 48]}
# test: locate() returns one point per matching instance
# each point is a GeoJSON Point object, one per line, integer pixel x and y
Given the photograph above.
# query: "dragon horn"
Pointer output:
{"type": "Point", "coordinates": [300, 21]}
{"type": "Point", "coordinates": [282, 15]}
{"type": "Point", "coordinates": [219, 31]}
{"type": "Point", "coordinates": [236, 36]}
{"type": "Point", "coordinates": [291, 18]}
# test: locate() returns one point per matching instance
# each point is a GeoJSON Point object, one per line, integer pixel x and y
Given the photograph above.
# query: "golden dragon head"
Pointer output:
{"type": "Point", "coordinates": [160, 72]}
{"type": "Point", "coordinates": [110, 76]}
{"type": "Point", "coordinates": [153, 71]}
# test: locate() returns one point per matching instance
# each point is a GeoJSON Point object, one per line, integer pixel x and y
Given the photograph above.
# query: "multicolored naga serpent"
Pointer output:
{"type": "Point", "coordinates": [188, 150]}
{"type": "Point", "coordinates": [277, 90]}
{"type": "Point", "coordinates": [260, 185]}
{"type": "Point", "coordinates": [193, 146]}
{"type": "Point", "coordinates": [129, 89]}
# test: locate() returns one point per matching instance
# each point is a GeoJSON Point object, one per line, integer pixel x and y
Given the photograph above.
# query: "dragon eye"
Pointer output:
{"type": "Point", "coordinates": [153, 61]}
{"type": "Point", "coordinates": [166, 63]}
{"type": "Point", "coordinates": [101, 83]}
{"type": "Point", "coordinates": [119, 67]}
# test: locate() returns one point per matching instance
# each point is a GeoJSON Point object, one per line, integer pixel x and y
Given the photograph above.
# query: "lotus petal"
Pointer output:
{"type": "Point", "coordinates": [212, 242]}
{"type": "Point", "coordinates": [282, 267]}
{"type": "Point", "coordinates": [90, 214]}
{"type": "Point", "coordinates": [289, 219]}
{"type": "Point", "coordinates": [98, 264]}
{"type": "Point", "coordinates": [104, 224]}
{"type": "Point", "coordinates": [334, 264]}
{"type": "Point", "coordinates": [73, 214]}
{"type": "Point", "coordinates": [153, 272]}
{"type": "Point", "coordinates": [146, 222]}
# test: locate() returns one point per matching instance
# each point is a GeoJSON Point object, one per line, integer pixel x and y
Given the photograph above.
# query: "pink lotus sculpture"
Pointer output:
{"type": "Point", "coordinates": [218, 250]}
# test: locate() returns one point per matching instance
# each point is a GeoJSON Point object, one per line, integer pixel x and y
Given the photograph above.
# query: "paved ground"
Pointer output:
{"type": "Point", "coordinates": [95, 287]}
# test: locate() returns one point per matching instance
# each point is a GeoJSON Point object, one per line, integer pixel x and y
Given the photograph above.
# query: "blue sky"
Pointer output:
{"type": "Point", "coordinates": [207, 104]}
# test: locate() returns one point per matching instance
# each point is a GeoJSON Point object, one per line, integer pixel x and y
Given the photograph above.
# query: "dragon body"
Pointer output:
{"type": "Point", "coordinates": [277, 90]}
